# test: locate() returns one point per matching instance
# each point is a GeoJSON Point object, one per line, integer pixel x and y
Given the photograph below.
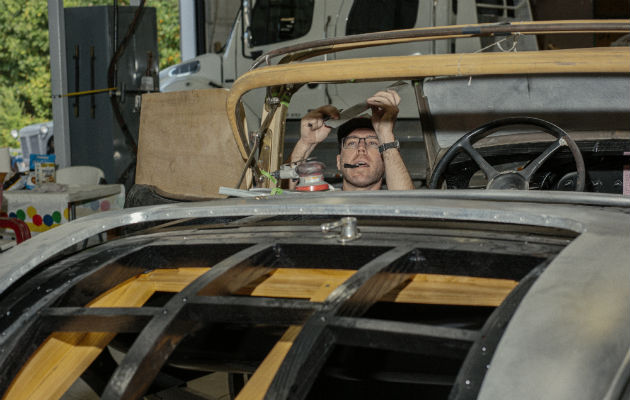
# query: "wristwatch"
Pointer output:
{"type": "Point", "coordinates": [391, 145]}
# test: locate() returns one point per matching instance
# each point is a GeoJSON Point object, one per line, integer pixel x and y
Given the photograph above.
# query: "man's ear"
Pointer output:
{"type": "Point", "coordinates": [339, 162]}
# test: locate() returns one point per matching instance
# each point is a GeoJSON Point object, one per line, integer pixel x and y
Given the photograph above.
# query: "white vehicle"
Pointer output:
{"type": "Point", "coordinates": [271, 24]}
{"type": "Point", "coordinates": [36, 139]}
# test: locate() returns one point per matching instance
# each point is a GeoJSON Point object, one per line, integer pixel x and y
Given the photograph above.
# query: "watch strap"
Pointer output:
{"type": "Point", "coordinates": [391, 145]}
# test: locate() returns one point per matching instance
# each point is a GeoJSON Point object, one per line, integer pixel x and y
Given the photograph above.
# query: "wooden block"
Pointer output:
{"type": "Point", "coordinates": [186, 148]}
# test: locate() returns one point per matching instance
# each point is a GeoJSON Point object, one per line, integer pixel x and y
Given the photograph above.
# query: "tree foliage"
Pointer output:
{"type": "Point", "coordinates": [11, 116]}
{"type": "Point", "coordinates": [25, 96]}
{"type": "Point", "coordinates": [168, 31]}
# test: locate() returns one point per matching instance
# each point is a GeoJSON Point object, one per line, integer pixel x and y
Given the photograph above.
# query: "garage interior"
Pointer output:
{"type": "Point", "coordinates": [134, 125]}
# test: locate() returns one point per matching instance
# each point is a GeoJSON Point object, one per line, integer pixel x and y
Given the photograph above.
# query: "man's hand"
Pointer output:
{"type": "Point", "coordinates": [384, 106]}
{"type": "Point", "coordinates": [313, 131]}
{"type": "Point", "coordinates": [312, 128]}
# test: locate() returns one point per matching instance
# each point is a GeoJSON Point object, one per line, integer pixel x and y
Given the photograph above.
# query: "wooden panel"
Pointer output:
{"type": "Point", "coordinates": [186, 148]}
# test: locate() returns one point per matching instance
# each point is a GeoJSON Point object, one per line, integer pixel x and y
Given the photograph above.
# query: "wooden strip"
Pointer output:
{"type": "Point", "coordinates": [172, 279]}
{"type": "Point", "coordinates": [573, 61]}
{"type": "Point", "coordinates": [257, 385]}
{"type": "Point", "coordinates": [300, 283]}
{"type": "Point", "coordinates": [453, 290]}
{"type": "Point", "coordinates": [63, 357]}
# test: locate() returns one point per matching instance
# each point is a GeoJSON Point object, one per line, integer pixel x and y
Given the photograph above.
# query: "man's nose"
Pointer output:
{"type": "Point", "coordinates": [362, 145]}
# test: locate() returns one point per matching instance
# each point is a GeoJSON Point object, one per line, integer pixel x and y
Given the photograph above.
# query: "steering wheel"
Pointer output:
{"type": "Point", "coordinates": [511, 179]}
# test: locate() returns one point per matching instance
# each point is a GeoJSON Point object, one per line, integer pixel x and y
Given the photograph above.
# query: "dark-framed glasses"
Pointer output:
{"type": "Point", "coordinates": [352, 142]}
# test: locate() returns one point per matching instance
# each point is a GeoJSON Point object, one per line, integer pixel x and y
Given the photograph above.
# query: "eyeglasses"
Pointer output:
{"type": "Point", "coordinates": [352, 142]}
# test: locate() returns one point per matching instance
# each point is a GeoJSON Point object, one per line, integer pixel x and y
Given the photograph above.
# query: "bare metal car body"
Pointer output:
{"type": "Point", "coordinates": [414, 314]}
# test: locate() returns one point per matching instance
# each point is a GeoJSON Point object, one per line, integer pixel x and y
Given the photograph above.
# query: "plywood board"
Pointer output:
{"type": "Point", "coordinates": [186, 148]}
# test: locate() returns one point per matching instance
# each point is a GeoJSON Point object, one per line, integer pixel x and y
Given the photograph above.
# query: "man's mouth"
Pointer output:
{"type": "Point", "coordinates": [359, 164]}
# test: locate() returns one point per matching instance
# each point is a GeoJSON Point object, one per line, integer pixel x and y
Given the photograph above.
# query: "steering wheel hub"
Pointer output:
{"type": "Point", "coordinates": [508, 180]}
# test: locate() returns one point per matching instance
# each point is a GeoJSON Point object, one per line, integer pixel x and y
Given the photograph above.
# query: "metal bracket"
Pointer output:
{"type": "Point", "coordinates": [347, 226]}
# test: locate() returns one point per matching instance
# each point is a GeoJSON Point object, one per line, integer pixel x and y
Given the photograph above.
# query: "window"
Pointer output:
{"type": "Point", "coordinates": [381, 15]}
{"type": "Point", "coordinates": [279, 20]}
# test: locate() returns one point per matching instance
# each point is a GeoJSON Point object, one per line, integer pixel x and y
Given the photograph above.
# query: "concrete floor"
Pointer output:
{"type": "Point", "coordinates": [211, 387]}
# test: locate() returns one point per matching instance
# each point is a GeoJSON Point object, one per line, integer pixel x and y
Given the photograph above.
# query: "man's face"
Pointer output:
{"type": "Point", "coordinates": [369, 173]}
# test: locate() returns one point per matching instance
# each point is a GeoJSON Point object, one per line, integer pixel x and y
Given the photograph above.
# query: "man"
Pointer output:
{"type": "Point", "coordinates": [368, 150]}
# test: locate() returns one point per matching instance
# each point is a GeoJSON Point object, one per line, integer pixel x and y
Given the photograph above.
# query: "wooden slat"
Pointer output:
{"type": "Point", "coordinates": [171, 279]}
{"type": "Point", "coordinates": [453, 290]}
{"type": "Point", "coordinates": [258, 384]}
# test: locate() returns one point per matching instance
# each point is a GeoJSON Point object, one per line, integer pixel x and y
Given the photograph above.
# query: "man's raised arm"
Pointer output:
{"type": "Point", "coordinates": [384, 106]}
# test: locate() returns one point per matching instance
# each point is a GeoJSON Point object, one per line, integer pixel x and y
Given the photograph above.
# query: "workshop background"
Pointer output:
{"type": "Point", "coordinates": [25, 96]}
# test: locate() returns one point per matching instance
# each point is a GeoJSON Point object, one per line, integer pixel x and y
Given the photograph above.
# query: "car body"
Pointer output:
{"type": "Point", "coordinates": [431, 293]}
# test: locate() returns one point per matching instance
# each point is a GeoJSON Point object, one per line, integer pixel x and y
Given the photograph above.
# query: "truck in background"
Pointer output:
{"type": "Point", "coordinates": [269, 24]}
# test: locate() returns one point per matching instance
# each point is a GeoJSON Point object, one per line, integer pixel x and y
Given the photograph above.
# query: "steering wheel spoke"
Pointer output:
{"type": "Point", "coordinates": [485, 166]}
{"type": "Point", "coordinates": [533, 166]}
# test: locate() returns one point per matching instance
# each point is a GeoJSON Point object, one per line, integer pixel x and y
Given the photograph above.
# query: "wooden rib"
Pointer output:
{"type": "Point", "coordinates": [590, 60]}
{"type": "Point", "coordinates": [64, 356]}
